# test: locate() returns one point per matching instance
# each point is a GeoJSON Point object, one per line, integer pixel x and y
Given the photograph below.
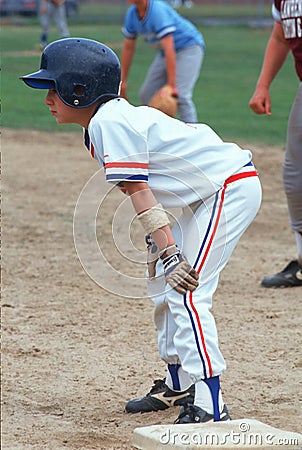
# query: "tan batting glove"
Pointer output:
{"type": "Point", "coordinates": [178, 272]}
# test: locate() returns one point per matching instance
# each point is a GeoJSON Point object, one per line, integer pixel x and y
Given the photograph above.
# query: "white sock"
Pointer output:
{"type": "Point", "coordinates": [299, 246]}
{"type": "Point", "coordinates": [203, 398]}
{"type": "Point", "coordinates": [184, 380]}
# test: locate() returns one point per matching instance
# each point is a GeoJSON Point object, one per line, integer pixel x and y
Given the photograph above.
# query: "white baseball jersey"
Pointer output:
{"type": "Point", "coordinates": [182, 163]}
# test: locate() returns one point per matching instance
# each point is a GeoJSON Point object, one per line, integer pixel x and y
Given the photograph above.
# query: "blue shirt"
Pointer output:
{"type": "Point", "coordinates": [160, 20]}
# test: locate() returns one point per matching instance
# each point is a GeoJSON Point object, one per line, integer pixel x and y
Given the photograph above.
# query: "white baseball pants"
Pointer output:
{"type": "Point", "coordinates": [187, 333]}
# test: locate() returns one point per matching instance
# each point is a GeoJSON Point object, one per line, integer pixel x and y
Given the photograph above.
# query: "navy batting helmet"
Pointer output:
{"type": "Point", "coordinates": [82, 71]}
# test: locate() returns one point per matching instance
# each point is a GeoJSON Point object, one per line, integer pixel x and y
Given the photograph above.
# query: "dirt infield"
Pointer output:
{"type": "Point", "coordinates": [73, 353]}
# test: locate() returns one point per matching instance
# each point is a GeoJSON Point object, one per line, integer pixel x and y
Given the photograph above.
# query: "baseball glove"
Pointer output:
{"type": "Point", "coordinates": [165, 100]}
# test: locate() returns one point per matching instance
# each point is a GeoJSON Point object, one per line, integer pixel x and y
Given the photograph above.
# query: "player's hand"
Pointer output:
{"type": "Point", "coordinates": [152, 256]}
{"type": "Point", "coordinates": [260, 102]}
{"type": "Point", "coordinates": [174, 92]}
{"type": "Point", "coordinates": [178, 272]}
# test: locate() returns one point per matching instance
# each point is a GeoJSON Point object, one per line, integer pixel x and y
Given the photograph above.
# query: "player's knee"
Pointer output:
{"type": "Point", "coordinates": [292, 185]}
{"type": "Point", "coordinates": [186, 110]}
{"type": "Point", "coordinates": [144, 96]}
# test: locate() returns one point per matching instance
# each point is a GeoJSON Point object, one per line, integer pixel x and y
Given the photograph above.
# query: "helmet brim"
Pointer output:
{"type": "Point", "coordinates": [39, 80]}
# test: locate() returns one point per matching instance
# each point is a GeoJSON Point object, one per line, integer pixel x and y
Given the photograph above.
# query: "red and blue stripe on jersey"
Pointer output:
{"type": "Point", "coordinates": [126, 171]}
{"type": "Point", "coordinates": [121, 170]}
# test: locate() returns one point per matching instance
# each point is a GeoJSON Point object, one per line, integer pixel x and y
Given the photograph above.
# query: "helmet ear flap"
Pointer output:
{"type": "Point", "coordinates": [78, 91]}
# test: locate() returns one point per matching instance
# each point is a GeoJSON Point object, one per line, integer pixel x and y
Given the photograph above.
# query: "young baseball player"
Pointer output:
{"type": "Point", "coordinates": [163, 163]}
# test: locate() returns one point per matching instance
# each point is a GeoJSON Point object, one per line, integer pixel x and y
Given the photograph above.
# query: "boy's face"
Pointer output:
{"type": "Point", "coordinates": [63, 113]}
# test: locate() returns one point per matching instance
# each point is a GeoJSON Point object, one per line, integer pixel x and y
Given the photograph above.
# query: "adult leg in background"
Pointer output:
{"type": "Point", "coordinates": [188, 66]}
{"type": "Point", "coordinates": [156, 77]}
{"type": "Point", "coordinates": [291, 275]}
{"type": "Point", "coordinates": [60, 19]}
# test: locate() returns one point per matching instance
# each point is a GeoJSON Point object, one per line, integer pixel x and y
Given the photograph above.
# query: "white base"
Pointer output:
{"type": "Point", "coordinates": [234, 434]}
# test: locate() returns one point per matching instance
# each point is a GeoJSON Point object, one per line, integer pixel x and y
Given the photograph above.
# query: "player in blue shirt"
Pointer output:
{"type": "Point", "coordinates": [180, 53]}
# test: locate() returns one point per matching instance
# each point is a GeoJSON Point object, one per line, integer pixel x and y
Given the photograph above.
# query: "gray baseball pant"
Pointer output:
{"type": "Point", "coordinates": [188, 65]}
{"type": "Point", "coordinates": [292, 166]}
{"type": "Point", "coordinates": [58, 14]}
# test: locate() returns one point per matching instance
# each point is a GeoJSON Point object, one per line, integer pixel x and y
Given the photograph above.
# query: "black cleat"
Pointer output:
{"type": "Point", "coordinates": [194, 414]}
{"type": "Point", "coordinates": [289, 277]}
{"type": "Point", "coordinates": [159, 398]}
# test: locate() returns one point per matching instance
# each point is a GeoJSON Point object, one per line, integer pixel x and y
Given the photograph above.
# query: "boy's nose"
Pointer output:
{"type": "Point", "coordinates": [48, 99]}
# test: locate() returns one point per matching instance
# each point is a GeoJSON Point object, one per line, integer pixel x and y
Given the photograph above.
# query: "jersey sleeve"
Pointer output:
{"type": "Point", "coordinates": [276, 13]}
{"type": "Point", "coordinates": [124, 150]}
{"type": "Point", "coordinates": [129, 29]}
{"type": "Point", "coordinates": [161, 20]}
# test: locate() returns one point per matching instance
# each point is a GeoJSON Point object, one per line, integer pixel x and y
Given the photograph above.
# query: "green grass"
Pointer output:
{"type": "Point", "coordinates": [227, 80]}
{"type": "Point", "coordinates": [111, 12]}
